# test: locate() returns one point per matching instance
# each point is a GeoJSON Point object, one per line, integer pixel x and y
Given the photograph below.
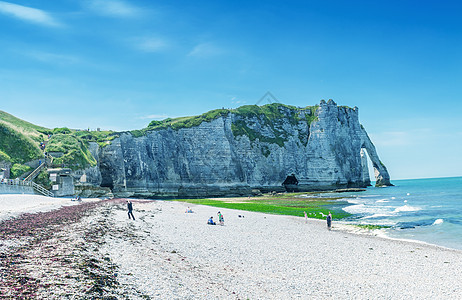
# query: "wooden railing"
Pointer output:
{"type": "Point", "coordinates": [41, 190]}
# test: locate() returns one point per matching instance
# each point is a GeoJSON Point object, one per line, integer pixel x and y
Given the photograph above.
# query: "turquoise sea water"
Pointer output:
{"type": "Point", "coordinates": [428, 210]}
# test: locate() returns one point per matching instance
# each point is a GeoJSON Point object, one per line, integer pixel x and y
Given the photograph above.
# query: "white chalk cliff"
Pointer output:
{"type": "Point", "coordinates": [312, 148]}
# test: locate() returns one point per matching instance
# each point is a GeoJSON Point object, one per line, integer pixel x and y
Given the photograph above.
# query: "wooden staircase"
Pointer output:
{"type": "Point", "coordinates": [37, 187]}
{"type": "Point", "coordinates": [41, 190]}
{"type": "Point", "coordinates": [35, 173]}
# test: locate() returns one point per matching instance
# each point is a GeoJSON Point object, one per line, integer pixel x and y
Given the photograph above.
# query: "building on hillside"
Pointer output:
{"type": "Point", "coordinates": [62, 182]}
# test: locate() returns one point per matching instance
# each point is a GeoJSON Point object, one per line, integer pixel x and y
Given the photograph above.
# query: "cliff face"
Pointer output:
{"type": "Point", "coordinates": [235, 153]}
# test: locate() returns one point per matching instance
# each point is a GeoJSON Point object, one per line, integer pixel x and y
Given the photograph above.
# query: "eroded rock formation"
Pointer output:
{"type": "Point", "coordinates": [236, 153]}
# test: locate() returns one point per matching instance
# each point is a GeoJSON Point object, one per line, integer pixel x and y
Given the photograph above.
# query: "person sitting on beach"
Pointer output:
{"type": "Point", "coordinates": [210, 221]}
{"type": "Point", "coordinates": [188, 210]}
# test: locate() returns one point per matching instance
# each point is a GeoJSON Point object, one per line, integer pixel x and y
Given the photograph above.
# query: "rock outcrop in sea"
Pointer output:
{"type": "Point", "coordinates": [239, 152]}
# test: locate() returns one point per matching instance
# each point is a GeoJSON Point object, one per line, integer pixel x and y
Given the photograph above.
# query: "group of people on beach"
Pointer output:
{"type": "Point", "coordinates": [221, 220]}
{"type": "Point", "coordinates": [210, 221]}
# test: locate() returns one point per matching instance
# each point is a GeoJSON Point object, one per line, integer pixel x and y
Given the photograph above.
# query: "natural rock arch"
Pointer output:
{"type": "Point", "coordinates": [382, 178]}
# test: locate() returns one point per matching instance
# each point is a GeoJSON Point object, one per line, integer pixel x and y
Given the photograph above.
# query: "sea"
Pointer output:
{"type": "Point", "coordinates": [424, 210]}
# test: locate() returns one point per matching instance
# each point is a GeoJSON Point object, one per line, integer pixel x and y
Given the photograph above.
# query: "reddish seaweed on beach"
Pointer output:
{"type": "Point", "coordinates": [33, 233]}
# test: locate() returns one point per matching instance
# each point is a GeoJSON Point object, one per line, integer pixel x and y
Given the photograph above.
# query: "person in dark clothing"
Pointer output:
{"type": "Point", "coordinates": [329, 221]}
{"type": "Point", "coordinates": [130, 210]}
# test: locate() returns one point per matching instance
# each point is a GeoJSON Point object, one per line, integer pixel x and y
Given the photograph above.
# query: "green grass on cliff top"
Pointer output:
{"type": "Point", "coordinates": [103, 138]}
{"type": "Point", "coordinates": [282, 204]}
{"type": "Point", "coordinates": [268, 113]}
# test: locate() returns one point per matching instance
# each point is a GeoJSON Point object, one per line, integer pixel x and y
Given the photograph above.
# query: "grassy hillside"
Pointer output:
{"type": "Point", "coordinates": [20, 143]}
{"type": "Point", "coordinates": [16, 147]}
{"type": "Point", "coordinates": [37, 133]}
{"type": "Point", "coordinates": [75, 151]}
{"type": "Point", "coordinates": [19, 140]}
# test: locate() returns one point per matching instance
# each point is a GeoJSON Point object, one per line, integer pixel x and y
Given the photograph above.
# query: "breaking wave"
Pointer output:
{"type": "Point", "coordinates": [407, 208]}
{"type": "Point", "coordinates": [438, 221]}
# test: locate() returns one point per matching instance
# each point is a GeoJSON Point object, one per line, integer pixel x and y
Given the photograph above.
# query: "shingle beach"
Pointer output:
{"type": "Point", "coordinates": [169, 254]}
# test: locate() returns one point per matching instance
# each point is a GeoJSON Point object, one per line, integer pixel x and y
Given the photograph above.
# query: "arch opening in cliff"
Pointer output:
{"type": "Point", "coordinates": [291, 183]}
{"type": "Point", "coordinates": [366, 164]}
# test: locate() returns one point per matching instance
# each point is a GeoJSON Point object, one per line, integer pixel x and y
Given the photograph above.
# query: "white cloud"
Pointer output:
{"type": "Point", "coordinates": [114, 8]}
{"type": "Point", "coordinates": [206, 50]}
{"type": "Point", "coordinates": [29, 14]}
{"type": "Point", "coordinates": [150, 44]}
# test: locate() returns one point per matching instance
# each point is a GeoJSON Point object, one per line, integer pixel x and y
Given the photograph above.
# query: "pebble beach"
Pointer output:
{"type": "Point", "coordinates": [169, 254]}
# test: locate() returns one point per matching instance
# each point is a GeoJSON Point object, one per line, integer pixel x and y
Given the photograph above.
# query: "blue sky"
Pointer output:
{"type": "Point", "coordinates": [120, 64]}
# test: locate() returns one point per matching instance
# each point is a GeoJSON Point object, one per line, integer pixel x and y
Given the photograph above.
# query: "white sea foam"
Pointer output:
{"type": "Point", "coordinates": [438, 221]}
{"type": "Point", "coordinates": [382, 201]}
{"type": "Point", "coordinates": [407, 208]}
{"type": "Point", "coordinates": [353, 201]}
{"type": "Point", "coordinates": [378, 215]}
{"type": "Point", "coordinates": [367, 209]}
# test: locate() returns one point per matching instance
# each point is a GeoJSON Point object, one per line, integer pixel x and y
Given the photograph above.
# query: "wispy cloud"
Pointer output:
{"type": "Point", "coordinates": [154, 117]}
{"type": "Point", "coordinates": [59, 59]}
{"type": "Point", "coordinates": [235, 100]}
{"type": "Point", "coordinates": [418, 136]}
{"type": "Point", "coordinates": [393, 139]}
{"type": "Point", "coordinates": [114, 8]}
{"type": "Point", "coordinates": [206, 50]}
{"type": "Point", "coordinates": [150, 44]}
{"type": "Point", "coordinates": [28, 14]}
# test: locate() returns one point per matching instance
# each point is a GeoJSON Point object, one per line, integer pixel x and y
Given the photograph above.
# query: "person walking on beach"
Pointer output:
{"type": "Point", "coordinates": [329, 221]}
{"type": "Point", "coordinates": [130, 210]}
